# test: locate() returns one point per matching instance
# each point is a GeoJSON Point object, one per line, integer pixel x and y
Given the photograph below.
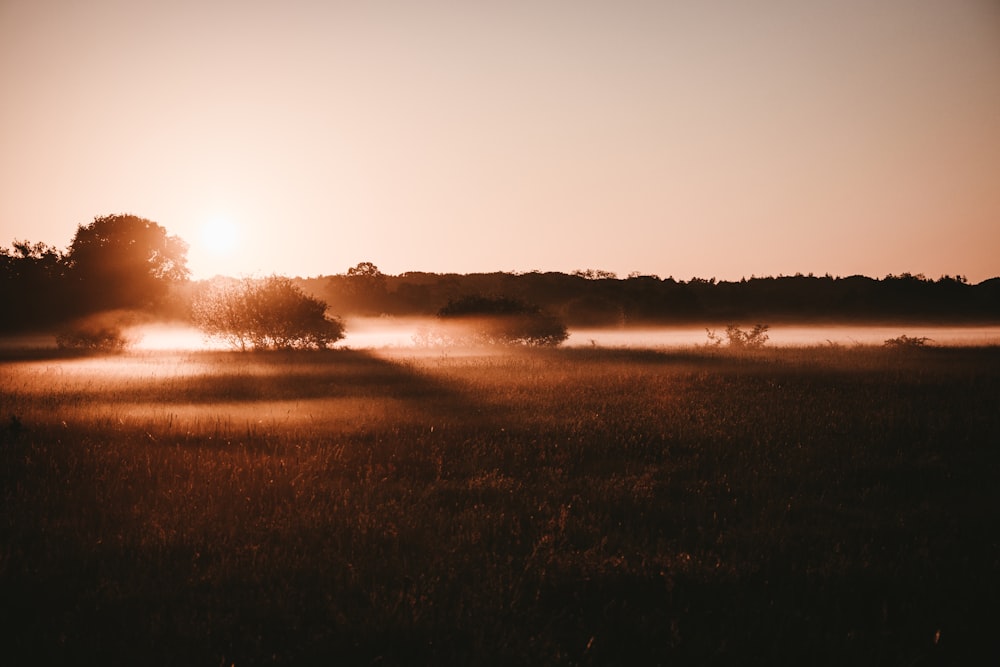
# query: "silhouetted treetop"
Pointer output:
{"type": "Point", "coordinates": [365, 270]}
{"type": "Point", "coordinates": [28, 261]}
{"type": "Point", "coordinates": [30, 285]}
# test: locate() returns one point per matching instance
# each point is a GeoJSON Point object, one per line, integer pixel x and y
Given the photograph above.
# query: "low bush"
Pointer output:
{"type": "Point", "coordinates": [93, 337]}
{"type": "Point", "coordinates": [740, 339]}
{"type": "Point", "coordinates": [905, 341]}
{"type": "Point", "coordinates": [488, 320]}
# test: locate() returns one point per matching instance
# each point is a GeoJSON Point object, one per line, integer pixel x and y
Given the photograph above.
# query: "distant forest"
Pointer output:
{"type": "Point", "coordinates": [598, 299]}
{"type": "Point", "coordinates": [127, 263]}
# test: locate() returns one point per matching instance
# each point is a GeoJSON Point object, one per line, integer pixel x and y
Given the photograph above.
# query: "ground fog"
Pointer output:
{"type": "Point", "coordinates": [390, 332]}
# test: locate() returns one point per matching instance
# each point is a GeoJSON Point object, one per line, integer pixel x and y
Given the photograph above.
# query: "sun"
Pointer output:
{"type": "Point", "coordinates": [220, 236]}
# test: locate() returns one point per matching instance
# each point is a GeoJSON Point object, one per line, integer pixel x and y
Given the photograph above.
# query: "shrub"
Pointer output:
{"type": "Point", "coordinates": [740, 339]}
{"type": "Point", "coordinates": [490, 320]}
{"type": "Point", "coordinates": [90, 337]}
{"type": "Point", "coordinates": [268, 313]}
{"type": "Point", "coordinates": [905, 341]}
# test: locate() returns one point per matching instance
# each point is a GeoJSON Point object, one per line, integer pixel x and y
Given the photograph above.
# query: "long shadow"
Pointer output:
{"type": "Point", "coordinates": [254, 379]}
{"type": "Point", "coordinates": [645, 355]}
{"type": "Point", "coordinates": [13, 353]}
{"type": "Point", "coordinates": [757, 608]}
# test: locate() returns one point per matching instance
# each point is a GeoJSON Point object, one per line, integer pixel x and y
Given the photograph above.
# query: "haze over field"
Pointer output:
{"type": "Point", "coordinates": [721, 139]}
{"type": "Point", "coordinates": [381, 333]}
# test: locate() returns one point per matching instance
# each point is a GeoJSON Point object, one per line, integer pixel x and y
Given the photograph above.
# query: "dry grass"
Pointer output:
{"type": "Point", "coordinates": [555, 507]}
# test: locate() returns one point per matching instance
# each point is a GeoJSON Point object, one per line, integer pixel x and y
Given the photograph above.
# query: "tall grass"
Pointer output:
{"type": "Point", "coordinates": [579, 506]}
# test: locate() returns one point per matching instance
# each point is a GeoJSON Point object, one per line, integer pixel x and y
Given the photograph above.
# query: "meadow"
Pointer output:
{"type": "Point", "coordinates": [810, 505]}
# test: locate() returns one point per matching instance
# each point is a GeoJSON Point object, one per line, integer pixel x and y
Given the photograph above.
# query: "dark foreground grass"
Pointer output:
{"type": "Point", "coordinates": [825, 506]}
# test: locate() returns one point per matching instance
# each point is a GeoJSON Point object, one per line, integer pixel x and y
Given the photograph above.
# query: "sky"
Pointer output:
{"type": "Point", "coordinates": [716, 138]}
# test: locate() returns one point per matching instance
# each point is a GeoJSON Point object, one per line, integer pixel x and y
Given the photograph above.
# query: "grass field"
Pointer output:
{"type": "Point", "coordinates": [563, 507]}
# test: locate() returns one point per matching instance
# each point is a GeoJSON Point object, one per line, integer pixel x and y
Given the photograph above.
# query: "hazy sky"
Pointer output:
{"type": "Point", "coordinates": [710, 138]}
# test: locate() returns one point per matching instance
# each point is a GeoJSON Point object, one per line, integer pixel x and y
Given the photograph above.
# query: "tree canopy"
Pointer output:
{"type": "Point", "coordinates": [124, 261]}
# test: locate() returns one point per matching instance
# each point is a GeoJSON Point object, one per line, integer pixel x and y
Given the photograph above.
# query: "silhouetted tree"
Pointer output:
{"type": "Point", "coordinates": [124, 261]}
{"type": "Point", "coordinates": [29, 261]}
{"type": "Point", "coordinates": [31, 286]}
{"type": "Point", "coordinates": [268, 313]}
{"type": "Point", "coordinates": [94, 334]}
{"type": "Point", "coordinates": [366, 270]}
{"type": "Point", "coordinates": [366, 288]}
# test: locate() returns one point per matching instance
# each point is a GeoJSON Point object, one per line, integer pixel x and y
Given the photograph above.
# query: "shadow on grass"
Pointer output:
{"type": "Point", "coordinates": [567, 537]}
{"type": "Point", "coordinates": [208, 378]}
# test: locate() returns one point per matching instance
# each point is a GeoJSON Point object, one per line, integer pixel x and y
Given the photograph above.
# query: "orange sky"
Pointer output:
{"type": "Point", "coordinates": [723, 138]}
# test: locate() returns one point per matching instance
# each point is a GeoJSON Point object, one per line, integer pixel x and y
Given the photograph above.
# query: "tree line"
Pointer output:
{"type": "Point", "coordinates": [598, 299]}
{"type": "Point", "coordinates": [131, 264]}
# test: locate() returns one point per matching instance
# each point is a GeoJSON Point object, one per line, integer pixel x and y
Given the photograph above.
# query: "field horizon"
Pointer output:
{"type": "Point", "coordinates": [403, 332]}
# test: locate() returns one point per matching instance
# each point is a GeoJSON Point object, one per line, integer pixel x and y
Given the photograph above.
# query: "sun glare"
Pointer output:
{"type": "Point", "coordinates": [220, 236]}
